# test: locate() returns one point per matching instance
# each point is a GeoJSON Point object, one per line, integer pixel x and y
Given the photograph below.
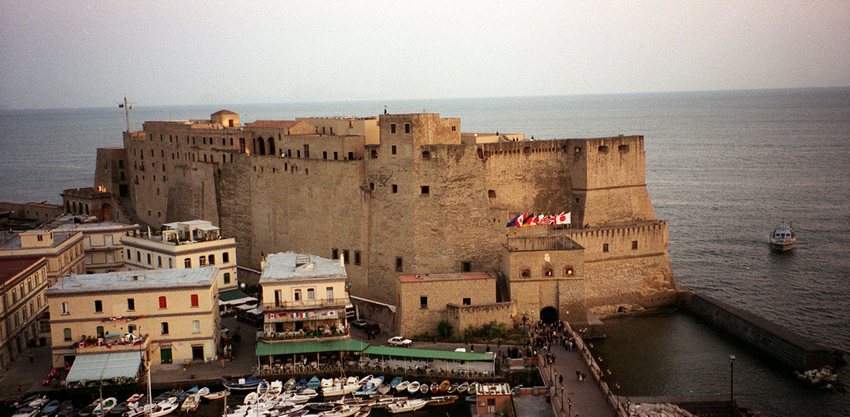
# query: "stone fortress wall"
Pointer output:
{"type": "Point", "coordinates": [404, 196]}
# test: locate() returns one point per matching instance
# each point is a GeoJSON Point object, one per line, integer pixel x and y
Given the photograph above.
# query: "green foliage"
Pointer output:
{"type": "Point", "coordinates": [444, 329]}
{"type": "Point", "coordinates": [488, 331]}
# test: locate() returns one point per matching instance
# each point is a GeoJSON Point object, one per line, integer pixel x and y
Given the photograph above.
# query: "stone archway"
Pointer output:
{"type": "Point", "coordinates": [549, 315]}
{"type": "Point", "coordinates": [106, 213]}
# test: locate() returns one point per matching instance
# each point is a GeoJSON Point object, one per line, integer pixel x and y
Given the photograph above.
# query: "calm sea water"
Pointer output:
{"type": "Point", "coordinates": [723, 167]}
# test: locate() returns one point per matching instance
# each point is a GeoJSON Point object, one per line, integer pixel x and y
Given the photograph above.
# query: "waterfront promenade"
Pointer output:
{"type": "Point", "coordinates": [585, 396]}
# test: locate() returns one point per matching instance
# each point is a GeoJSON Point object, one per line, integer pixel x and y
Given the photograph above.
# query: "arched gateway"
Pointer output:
{"type": "Point", "coordinates": [549, 315]}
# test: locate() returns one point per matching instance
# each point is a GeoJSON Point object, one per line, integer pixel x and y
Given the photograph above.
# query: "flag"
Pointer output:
{"type": "Point", "coordinates": [563, 218]}
{"type": "Point", "coordinates": [530, 220]}
{"type": "Point", "coordinates": [513, 221]}
{"type": "Point", "coordinates": [519, 220]}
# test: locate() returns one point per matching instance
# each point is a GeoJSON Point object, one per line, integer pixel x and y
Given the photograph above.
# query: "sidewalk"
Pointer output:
{"type": "Point", "coordinates": [586, 396]}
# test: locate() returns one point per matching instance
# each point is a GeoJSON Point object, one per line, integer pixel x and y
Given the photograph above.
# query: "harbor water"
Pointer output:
{"type": "Point", "coordinates": [724, 168]}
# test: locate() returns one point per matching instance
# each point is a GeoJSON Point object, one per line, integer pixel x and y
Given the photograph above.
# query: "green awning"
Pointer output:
{"type": "Point", "coordinates": [235, 297]}
{"type": "Point", "coordinates": [428, 354]}
{"type": "Point", "coordinates": [290, 348]}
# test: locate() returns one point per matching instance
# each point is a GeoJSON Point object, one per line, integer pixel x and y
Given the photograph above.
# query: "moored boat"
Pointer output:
{"type": "Point", "coordinates": [783, 238]}
{"type": "Point", "coordinates": [406, 406]}
{"type": "Point", "coordinates": [242, 384]}
{"type": "Point", "coordinates": [435, 388]}
{"type": "Point", "coordinates": [442, 400]}
{"type": "Point", "coordinates": [402, 386]}
{"type": "Point", "coordinates": [216, 395]}
{"type": "Point", "coordinates": [424, 388]}
{"type": "Point", "coordinates": [462, 388]}
{"type": "Point", "coordinates": [314, 383]}
{"type": "Point", "coordinates": [397, 380]}
{"type": "Point", "coordinates": [413, 388]}
{"type": "Point", "coordinates": [104, 406]}
{"type": "Point", "coordinates": [444, 386]}
{"type": "Point", "coordinates": [191, 403]}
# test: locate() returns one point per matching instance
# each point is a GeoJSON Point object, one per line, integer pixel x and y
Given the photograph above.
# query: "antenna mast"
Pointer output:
{"type": "Point", "coordinates": [127, 106]}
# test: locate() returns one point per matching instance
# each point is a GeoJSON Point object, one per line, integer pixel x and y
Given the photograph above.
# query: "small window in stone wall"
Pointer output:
{"type": "Point", "coordinates": [604, 247]}
{"type": "Point", "coordinates": [393, 149]}
{"type": "Point", "coordinates": [407, 128]}
{"type": "Point", "coordinates": [423, 302]}
{"type": "Point", "coordinates": [547, 271]}
{"type": "Point", "coordinates": [525, 273]}
{"type": "Point", "coordinates": [395, 188]}
{"type": "Point", "coordinates": [467, 301]}
{"type": "Point", "coordinates": [466, 266]}
{"type": "Point", "coordinates": [374, 153]}
{"type": "Point", "coordinates": [345, 255]}
{"type": "Point", "coordinates": [371, 186]}
{"type": "Point", "coordinates": [399, 264]}
{"type": "Point", "coordinates": [634, 245]}
{"type": "Point", "coordinates": [334, 253]}
{"type": "Point", "coordinates": [426, 155]}
{"type": "Point", "coordinates": [603, 149]}
{"type": "Point", "coordinates": [623, 148]}
{"type": "Point", "coordinates": [491, 194]}
{"type": "Point", "coordinates": [569, 271]}
{"type": "Point", "coordinates": [426, 190]}
{"type": "Point", "coordinates": [357, 257]}
{"type": "Point", "coordinates": [392, 127]}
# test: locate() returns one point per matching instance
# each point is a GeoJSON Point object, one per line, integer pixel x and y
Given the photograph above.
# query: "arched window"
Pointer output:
{"type": "Point", "coordinates": [569, 271]}
{"type": "Point", "coordinates": [261, 146]}
{"type": "Point", "coordinates": [271, 146]}
{"type": "Point", "coordinates": [525, 273]}
{"type": "Point", "coordinates": [547, 270]}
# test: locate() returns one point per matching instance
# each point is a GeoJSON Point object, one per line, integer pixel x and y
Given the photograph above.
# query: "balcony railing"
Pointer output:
{"type": "Point", "coordinates": [113, 344]}
{"type": "Point", "coordinates": [270, 336]}
{"type": "Point", "coordinates": [317, 303]}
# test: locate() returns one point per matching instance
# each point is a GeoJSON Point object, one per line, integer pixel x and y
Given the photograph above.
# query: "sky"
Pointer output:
{"type": "Point", "coordinates": [66, 54]}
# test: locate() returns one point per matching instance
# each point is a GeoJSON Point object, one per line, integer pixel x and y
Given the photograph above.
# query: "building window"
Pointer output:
{"type": "Point", "coordinates": [163, 302]}
{"type": "Point", "coordinates": [425, 189]}
{"type": "Point", "coordinates": [128, 254]}
{"type": "Point", "coordinates": [297, 295]}
{"type": "Point", "coordinates": [634, 245]}
{"type": "Point", "coordinates": [187, 263]}
{"type": "Point", "coordinates": [399, 264]}
{"type": "Point", "coordinates": [392, 127]}
{"type": "Point", "coordinates": [98, 306]}
{"type": "Point", "coordinates": [196, 326]}
{"type": "Point", "coordinates": [227, 277]}
{"type": "Point", "coordinates": [373, 153]}
{"type": "Point", "coordinates": [466, 266]}
{"type": "Point", "coordinates": [603, 149]}
{"type": "Point", "coordinates": [170, 263]}
{"type": "Point", "coordinates": [311, 294]}
{"type": "Point", "coordinates": [371, 186]}
{"type": "Point", "coordinates": [407, 128]}
{"type": "Point", "coordinates": [604, 247]}
{"type": "Point", "coordinates": [467, 301]}
{"type": "Point", "coordinates": [345, 255]}
{"type": "Point", "coordinates": [547, 271]}
{"type": "Point", "coordinates": [426, 155]}
{"type": "Point", "coordinates": [131, 304]}
{"type": "Point", "coordinates": [491, 194]}
{"type": "Point", "coordinates": [393, 149]}
{"type": "Point", "coordinates": [194, 298]}
{"type": "Point", "coordinates": [159, 261]}
{"type": "Point", "coordinates": [395, 188]}
{"type": "Point", "coordinates": [139, 254]}
{"type": "Point", "coordinates": [164, 326]}
{"type": "Point", "coordinates": [334, 253]}
{"type": "Point", "coordinates": [329, 292]}
{"type": "Point", "coordinates": [569, 271]}
{"type": "Point", "coordinates": [525, 273]}
{"type": "Point", "coordinates": [423, 302]}
{"type": "Point", "coordinates": [202, 261]}
{"type": "Point", "coordinates": [67, 333]}
{"type": "Point", "coordinates": [66, 309]}
{"type": "Point", "coordinates": [99, 332]}
{"type": "Point", "coordinates": [225, 257]}
{"type": "Point", "coordinates": [211, 259]}
{"type": "Point", "coordinates": [357, 257]}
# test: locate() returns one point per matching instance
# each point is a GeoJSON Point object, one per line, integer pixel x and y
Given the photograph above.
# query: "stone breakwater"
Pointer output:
{"type": "Point", "coordinates": [658, 410]}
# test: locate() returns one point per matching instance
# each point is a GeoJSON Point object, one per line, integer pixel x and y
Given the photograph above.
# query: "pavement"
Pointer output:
{"type": "Point", "coordinates": [586, 396]}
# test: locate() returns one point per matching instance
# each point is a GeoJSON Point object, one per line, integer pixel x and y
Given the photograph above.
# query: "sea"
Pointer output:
{"type": "Point", "coordinates": [723, 167]}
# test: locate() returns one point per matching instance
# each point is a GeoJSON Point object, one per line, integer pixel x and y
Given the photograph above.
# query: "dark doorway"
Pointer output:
{"type": "Point", "coordinates": [549, 315]}
{"type": "Point", "coordinates": [106, 213]}
{"type": "Point", "coordinates": [198, 353]}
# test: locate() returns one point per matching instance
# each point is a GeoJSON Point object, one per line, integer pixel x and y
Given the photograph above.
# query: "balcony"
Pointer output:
{"type": "Point", "coordinates": [112, 344]}
{"type": "Point", "coordinates": [307, 304]}
{"type": "Point", "coordinates": [271, 336]}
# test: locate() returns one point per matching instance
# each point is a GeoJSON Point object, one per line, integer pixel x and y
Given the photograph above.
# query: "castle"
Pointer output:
{"type": "Point", "coordinates": [406, 195]}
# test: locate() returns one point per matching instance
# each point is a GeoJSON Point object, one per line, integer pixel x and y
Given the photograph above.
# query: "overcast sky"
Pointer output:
{"type": "Point", "coordinates": [89, 53]}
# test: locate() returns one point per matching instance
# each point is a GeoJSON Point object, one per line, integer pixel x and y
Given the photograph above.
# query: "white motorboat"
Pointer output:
{"type": "Point", "coordinates": [414, 386]}
{"type": "Point", "coordinates": [406, 406]}
{"type": "Point", "coordinates": [783, 238]}
{"type": "Point", "coordinates": [340, 411]}
{"type": "Point", "coordinates": [216, 395]}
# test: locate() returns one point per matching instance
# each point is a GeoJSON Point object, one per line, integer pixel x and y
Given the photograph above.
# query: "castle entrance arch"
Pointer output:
{"type": "Point", "coordinates": [106, 213]}
{"type": "Point", "coordinates": [549, 315]}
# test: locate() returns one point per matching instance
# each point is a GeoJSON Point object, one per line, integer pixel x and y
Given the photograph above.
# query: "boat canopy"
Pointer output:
{"type": "Point", "coordinates": [428, 354]}
{"type": "Point", "coordinates": [105, 366]}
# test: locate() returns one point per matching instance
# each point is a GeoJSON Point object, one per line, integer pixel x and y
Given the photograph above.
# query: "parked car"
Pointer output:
{"type": "Point", "coordinates": [399, 341]}
{"type": "Point", "coordinates": [359, 323]}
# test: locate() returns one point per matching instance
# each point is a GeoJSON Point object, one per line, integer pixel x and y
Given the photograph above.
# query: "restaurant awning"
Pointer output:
{"type": "Point", "coordinates": [309, 346]}
{"type": "Point", "coordinates": [105, 366]}
{"type": "Point", "coordinates": [235, 297]}
{"type": "Point", "coordinates": [427, 354]}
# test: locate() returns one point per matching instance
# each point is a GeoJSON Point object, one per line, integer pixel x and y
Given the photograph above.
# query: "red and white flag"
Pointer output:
{"type": "Point", "coordinates": [563, 218]}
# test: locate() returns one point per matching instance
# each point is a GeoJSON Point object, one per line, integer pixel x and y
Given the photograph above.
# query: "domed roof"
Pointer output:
{"type": "Point", "coordinates": [223, 111]}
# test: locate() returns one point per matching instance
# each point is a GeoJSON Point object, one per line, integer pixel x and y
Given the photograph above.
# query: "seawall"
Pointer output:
{"type": "Point", "coordinates": [787, 347]}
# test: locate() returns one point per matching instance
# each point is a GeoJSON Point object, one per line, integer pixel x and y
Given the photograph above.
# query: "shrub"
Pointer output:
{"type": "Point", "coordinates": [444, 329]}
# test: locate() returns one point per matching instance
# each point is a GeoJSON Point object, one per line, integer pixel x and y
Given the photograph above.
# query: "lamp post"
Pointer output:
{"type": "Point", "coordinates": [562, 398]}
{"type": "Point", "coordinates": [732, 383]}
{"type": "Point", "coordinates": [569, 407]}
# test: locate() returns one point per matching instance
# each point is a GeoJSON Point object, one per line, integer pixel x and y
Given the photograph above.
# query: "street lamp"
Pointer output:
{"type": "Point", "coordinates": [732, 383]}
{"type": "Point", "coordinates": [569, 406]}
{"type": "Point", "coordinates": [562, 398]}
